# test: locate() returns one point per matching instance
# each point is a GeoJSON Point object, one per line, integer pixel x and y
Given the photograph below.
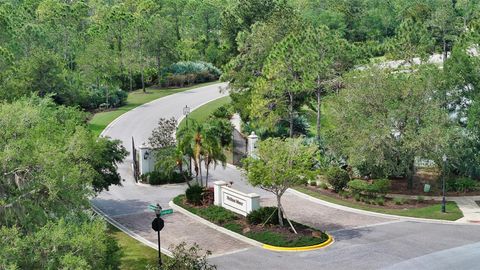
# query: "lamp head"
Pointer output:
{"type": "Point", "coordinates": [186, 110]}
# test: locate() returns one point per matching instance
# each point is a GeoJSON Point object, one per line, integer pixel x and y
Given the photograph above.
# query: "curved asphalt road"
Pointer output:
{"type": "Point", "coordinates": [362, 241]}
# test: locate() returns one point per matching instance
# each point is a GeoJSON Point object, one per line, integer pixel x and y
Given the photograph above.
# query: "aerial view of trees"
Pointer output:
{"type": "Point", "coordinates": [364, 89]}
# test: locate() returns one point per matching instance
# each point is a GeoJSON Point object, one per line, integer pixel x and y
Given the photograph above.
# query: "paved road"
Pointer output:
{"type": "Point", "coordinates": [362, 241]}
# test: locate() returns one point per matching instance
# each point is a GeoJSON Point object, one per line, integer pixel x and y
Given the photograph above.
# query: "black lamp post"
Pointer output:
{"type": "Point", "coordinates": [157, 225]}
{"type": "Point", "coordinates": [444, 158]}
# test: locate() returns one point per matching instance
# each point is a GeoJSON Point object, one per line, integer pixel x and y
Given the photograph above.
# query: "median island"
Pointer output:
{"type": "Point", "coordinates": [261, 225]}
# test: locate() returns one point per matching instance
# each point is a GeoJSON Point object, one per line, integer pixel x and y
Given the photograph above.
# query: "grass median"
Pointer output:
{"type": "Point", "coordinates": [202, 113]}
{"type": "Point", "coordinates": [428, 212]}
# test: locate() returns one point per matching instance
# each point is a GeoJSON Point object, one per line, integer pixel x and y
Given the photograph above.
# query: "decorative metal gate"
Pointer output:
{"type": "Point", "coordinates": [239, 147]}
{"type": "Point", "coordinates": [136, 172]}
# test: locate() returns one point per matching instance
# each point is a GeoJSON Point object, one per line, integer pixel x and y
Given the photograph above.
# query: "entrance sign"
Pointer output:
{"type": "Point", "coordinates": [234, 200]}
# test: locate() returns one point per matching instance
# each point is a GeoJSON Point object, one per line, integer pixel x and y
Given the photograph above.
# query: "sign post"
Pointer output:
{"type": "Point", "coordinates": [157, 225]}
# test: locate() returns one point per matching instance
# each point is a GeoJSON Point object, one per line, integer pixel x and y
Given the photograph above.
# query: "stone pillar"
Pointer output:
{"type": "Point", "coordinates": [252, 144]}
{"type": "Point", "coordinates": [254, 202]}
{"type": "Point", "coordinates": [146, 160]}
{"type": "Point", "coordinates": [217, 192]}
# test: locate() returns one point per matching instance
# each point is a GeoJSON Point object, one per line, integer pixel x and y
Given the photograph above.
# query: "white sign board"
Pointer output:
{"type": "Point", "coordinates": [234, 200]}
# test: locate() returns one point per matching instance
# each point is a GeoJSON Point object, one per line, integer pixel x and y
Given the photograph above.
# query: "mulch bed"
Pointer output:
{"type": "Point", "coordinates": [305, 236]}
{"type": "Point", "coordinates": [389, 203]}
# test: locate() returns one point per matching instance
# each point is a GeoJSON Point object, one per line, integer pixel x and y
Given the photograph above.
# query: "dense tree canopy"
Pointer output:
{"type": "Point", "coordinates": [50, 166]}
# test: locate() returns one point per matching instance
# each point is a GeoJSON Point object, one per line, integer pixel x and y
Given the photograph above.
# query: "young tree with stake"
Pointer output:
{"type": "Point", "coordinates": [280, 164]}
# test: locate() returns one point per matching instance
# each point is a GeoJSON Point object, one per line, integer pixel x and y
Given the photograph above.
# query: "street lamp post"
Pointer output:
{"type": "Point", "coordinates": [186, 112]}
{"type": "Point", "coordinates": [444, 158]}
{"type": "Point", "coordinates": [157, 225]}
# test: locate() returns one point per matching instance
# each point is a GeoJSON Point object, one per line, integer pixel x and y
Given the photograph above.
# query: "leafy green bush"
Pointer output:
{"type": "Point", "coordinates": [261, 215]}
{"type": "Point", "coordinates": [378, 187]}
{"type": "Point", "coordinates": [104, 97]}
{"type": "Point", "coordinates": [187, 72]}
{"type": "Point", "coordinates": [465, 185]}
{"type": "Point", "coordinates": [323, 185]}
{"type": "Point", "coordinates": [159, 178]}
{"type": "Point", "coordinates": [194, 194]}
{"type": "Point", "coordinates": [218, 214]}
{"type": "Point", "coordinates": [223, 112]}
{"type": "Point", "coordinates": [380, 201]}
{"type": "Point", "coordinates": [420, 199]}
{"type": "Point", "coordinates": [399, 201]}
{"type": "Point", "coordinates": [338, 178]}
{"type": "Point", "coordinates": [461, 184]}
{"type": "Point", "coordinates": [357, 186]}
{"type": "Point", "coordinates": [381, 186]}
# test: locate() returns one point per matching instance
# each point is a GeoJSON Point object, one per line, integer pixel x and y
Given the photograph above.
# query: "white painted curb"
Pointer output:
{"type": "Point", "coordinates": [129, 232]}
{"type": "Point", "coordinates": [214, 226]}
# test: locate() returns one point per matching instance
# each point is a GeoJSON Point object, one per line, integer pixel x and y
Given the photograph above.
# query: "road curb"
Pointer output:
{"type": "Point", "coordinates": [325, 244]}
{"type": "Point", "coordinates": [245, 239]}
{"type": "Point", "coordinates": [374, 214]}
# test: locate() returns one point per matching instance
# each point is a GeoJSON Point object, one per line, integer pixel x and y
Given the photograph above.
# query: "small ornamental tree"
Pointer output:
{"type": "Point", "coordinates": [164, 134]}
{"type": "Point", "coordinates": [280, 164]}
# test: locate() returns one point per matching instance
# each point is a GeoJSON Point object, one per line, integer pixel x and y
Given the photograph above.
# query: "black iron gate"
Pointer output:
{"type": "Point", "coordinates": [136, 171]}
{"type": "Point", "coordinates": [239, 147]}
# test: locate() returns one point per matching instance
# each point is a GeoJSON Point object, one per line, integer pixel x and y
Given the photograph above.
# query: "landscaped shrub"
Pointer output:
{"type": "Point", "coordinates": [378, 187]}
{"type": "Point", "coordinates": [159, 178]}
{"type": "Point", "coordinates": [465, 185]}
{"type": "Point", "coordinates": [461, 184]}
{"type": "Point", "coordinates": [357, 186]}
{"type": "Point", "coordinates": [323, 185]}
{"type": "Point", "coordinates": [261, 215]}
{"type": "Point", "coordinates": [104, 97]}
{"type": "Point", "coordinates": [381, 186]}
{"type": "Point", "coordinates": [223, 112]}
{"type": "Point", "coordinates": [380, 201]}
{"type": "Point", "coordinates": [218, 214]}
{"type": "Point", "coordinates": [187, 72]}
{"type": "Point", "coordinates": [194, 194]}
{"type": "Point", "coordinates": [399, 201]}
{"type": "Point", "coordinates": [338, 178]}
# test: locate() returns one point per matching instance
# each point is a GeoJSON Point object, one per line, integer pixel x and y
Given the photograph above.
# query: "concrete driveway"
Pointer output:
{"type": "Point", "coordinates": [361, 241]}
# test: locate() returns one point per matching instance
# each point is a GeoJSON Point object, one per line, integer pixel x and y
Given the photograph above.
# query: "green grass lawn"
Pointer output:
{"type": "Point", "coordinates": [202, 113]}
{"type": "Point", "coordinates": [430, 212]}
{"type": "Point", "coordinates": [136, 98]}
{"type": "Point", "coordinates": [135, 254]}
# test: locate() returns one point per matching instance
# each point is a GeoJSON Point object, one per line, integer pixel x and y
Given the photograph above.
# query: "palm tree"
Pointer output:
{"type": "Point", "coordinates": [189, 141]}
{"type": "Point", "coordinates": [212, 151]}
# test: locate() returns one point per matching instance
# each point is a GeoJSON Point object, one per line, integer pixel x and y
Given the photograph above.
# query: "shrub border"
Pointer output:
{"type": "Point", "coordinates": [248, 240]}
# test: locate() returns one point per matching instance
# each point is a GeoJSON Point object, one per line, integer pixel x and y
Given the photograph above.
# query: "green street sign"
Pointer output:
{"type": "Point", "coordinates": [153, 207]}
{"type": "Point", "coordinates": [166, 212]}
